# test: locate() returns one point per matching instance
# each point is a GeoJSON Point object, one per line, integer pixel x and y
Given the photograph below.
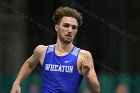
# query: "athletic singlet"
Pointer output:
{"type": "Point", "coordinates": [59, 73]}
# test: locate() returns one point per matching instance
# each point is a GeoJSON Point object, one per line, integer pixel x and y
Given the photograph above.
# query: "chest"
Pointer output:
{"type": "Point", "coordinates": [62, 60]}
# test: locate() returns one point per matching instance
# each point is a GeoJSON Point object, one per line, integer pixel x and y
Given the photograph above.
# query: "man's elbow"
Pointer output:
{"type": "Point", "coordinates": [95, 88]}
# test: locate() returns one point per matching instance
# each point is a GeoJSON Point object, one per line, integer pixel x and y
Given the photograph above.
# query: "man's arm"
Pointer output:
{"type": "Point", "coordinates": [89, 73]}
{"type": "Point", "coordinates": [26, 69]}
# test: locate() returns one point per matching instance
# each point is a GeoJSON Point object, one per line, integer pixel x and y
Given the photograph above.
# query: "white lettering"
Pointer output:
{"type": "Point", "coordinates": [63, 67]}
{"type": "Point", "coordinates": [59, 68]}
{"type": "Point", "coordinates": [56, 66]}
{"type": "Point", "coordinates": [66, 69]}
{"type": "Point", "coordinates": [47, 67]}
{"type": "Point", "coordinates": [70, 69]}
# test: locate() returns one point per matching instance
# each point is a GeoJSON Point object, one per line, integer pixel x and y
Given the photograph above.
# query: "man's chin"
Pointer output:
{"type": "Point", "coordinates": [67, 41]}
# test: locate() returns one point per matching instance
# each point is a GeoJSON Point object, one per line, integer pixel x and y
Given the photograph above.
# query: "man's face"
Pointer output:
{"type": "Point", "coordinates": [67, 29]}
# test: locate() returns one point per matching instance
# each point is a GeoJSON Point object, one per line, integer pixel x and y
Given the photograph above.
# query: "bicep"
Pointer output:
{"type": "Point", "coordinates": [34, 59]}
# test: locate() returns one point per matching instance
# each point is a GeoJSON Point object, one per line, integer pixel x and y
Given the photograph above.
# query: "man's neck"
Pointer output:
{"type": "Point", "coordinates": [64, 47]}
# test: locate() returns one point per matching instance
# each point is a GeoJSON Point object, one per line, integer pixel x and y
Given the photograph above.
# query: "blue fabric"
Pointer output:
{"type": "Point", "coordinates": [59, 73]}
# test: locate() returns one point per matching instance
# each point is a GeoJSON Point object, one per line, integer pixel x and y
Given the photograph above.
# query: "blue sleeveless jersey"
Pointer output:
{"type": "Point", "coordinates": [60, 73]}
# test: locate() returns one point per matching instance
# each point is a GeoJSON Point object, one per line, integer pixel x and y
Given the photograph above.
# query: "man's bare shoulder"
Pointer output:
{"type": "Point", "coordinates": [40, 49]}
{"type": "Point", "coordinates": [85, 53]}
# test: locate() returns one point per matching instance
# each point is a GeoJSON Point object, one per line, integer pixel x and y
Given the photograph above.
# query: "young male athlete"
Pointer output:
{"type": "Point", "coordinates": [63, 64]}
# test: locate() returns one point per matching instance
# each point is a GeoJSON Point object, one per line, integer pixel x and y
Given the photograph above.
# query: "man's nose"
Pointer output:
{"type": "Point", "coordinates": [70, 29]}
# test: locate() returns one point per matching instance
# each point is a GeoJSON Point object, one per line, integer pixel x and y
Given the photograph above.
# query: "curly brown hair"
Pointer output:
{"type": "Point", "coordinates": [69, 12]}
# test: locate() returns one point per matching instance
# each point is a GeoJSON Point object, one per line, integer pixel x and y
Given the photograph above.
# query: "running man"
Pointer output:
{"type": "Point", "coordinates": [63, 64]}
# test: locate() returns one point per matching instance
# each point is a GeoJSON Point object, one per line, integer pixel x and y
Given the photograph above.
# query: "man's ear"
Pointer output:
{"type": "Point", "coordinates": [56, 27]}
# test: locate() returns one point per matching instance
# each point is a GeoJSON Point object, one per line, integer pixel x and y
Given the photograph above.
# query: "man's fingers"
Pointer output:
{"type": "Point", "coordinates": [85, 62]}
{"type": "Point", "coordinates": [16, 90]}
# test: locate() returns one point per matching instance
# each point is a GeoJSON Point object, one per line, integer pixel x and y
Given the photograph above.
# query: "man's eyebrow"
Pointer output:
{"type": "Point", "coordinates": [70, 24]}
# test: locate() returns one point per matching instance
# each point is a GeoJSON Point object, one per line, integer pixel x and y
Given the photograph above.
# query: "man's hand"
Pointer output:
{"type": "Point", "coordinates": [16, 88]}
{"type": "Point", "coordinates": [86, 65]}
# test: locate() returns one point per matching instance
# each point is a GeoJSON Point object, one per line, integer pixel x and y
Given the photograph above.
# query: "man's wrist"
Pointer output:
{"type": "Point", "coordinates": [16, 83]}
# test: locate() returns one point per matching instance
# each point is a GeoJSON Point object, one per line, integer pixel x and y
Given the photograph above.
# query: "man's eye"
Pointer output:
{"type": "Point", "coordinates": [66, 26]}
{"type": "Point", "coordinates": [74, 27]}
